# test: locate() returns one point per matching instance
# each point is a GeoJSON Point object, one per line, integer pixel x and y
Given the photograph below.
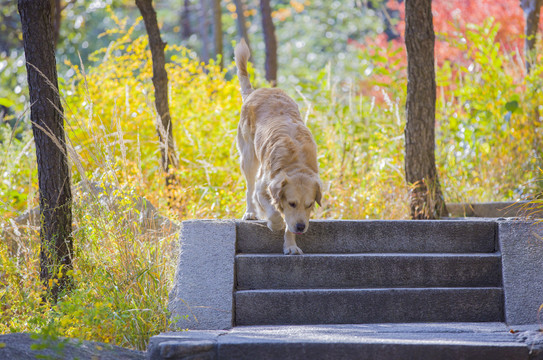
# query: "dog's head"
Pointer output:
{"type": "Point", "coordinates": [295, 197]}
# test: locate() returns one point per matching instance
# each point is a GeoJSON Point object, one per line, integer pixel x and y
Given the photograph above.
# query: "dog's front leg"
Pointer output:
{"type": "Point", "coordinates": [275, 220]}
{"type": "Point", "coordinates": [250, 213]}
{"type": "Point", "coordinates": [248, 168]}
{"type": "Point", "coordinates": [290, 247]}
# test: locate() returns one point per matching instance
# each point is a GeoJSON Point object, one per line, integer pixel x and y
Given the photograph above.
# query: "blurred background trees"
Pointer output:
{"type": "Point", "coordinates": [310, 33]}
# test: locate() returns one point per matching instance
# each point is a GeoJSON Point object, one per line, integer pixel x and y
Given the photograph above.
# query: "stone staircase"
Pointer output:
{"type": "Point", "coordinates": [370, 272]}
{"type": "Point", "coordinates": [446, 289]}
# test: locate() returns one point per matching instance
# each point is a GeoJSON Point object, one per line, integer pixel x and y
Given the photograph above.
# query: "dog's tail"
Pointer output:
{"type": "Point", "coordinates": [242, 55]}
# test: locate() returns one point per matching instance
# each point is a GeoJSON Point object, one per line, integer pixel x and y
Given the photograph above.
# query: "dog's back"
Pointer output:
{"type": "Point", "coordinates": [271, 121]}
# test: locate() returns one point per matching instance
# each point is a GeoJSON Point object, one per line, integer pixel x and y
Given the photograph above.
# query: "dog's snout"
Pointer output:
{"type": "Point", "coordinates": [300, 227]}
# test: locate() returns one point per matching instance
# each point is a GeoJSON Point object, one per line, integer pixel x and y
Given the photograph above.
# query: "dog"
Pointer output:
{"type": "Point", "coordinates": [278, 158]}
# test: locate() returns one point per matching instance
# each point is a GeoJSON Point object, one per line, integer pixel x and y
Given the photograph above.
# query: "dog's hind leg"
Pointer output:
{"type": "Point", "coordinates": [249, 166]}
{"type": "Point", "coordinates": [289, 246]}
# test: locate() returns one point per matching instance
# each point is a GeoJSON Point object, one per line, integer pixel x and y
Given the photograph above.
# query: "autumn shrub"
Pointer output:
{"type": "Point", "coordinates": [488, 138]}
{"type": "Point", "coordinates": [122, 275]}
{"type": "Point", "coordinates": [491, 122]}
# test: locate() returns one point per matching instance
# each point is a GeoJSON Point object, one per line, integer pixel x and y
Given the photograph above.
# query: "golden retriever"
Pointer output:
{"type": "Point", "coordinates": [278, 158]}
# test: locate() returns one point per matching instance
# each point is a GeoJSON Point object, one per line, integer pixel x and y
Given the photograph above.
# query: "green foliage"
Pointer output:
{"type": "Point", "coordinates": [18, 169]}
{"type": "Point", "coordinates": [13, 89]}
{"type": "Point", "coordinates": [318, 33]}
{"type": "Point", "coordinates": [488, 129]}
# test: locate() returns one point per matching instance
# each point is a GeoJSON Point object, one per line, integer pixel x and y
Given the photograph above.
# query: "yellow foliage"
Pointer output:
{"type": "Point", "coordinates": [231, 7]}
{"type": "Point", "coordinates": [298, 6]}
{"type": "Point", "coordinates": [282, 14]}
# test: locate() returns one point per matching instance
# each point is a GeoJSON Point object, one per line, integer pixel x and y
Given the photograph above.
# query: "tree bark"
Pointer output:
{"type": "Point", "coordinates": [160, 83]}
{"type": "Point", "coordinates": [242, 28]}
{"type": "Point", "coordinates": [217, 30]}
{"type": "Point", "coordinates": [203, 26]}
{"type": "Point", "coordinates": [186, 30]}
{"type": "Point", "coordinates": [46, 114]}
{"type": "Point", "coordinates": [426, 200]}
{"type": "Point", "coordinates": [270, 41]}
{"type": "Point", "coordinates": [531, 10]}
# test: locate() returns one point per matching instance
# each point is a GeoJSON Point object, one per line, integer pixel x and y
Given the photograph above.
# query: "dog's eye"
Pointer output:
{"type": "Point", "coordinates": [309, 206]}
{"type": "Point", "coordinates": [292, 204]}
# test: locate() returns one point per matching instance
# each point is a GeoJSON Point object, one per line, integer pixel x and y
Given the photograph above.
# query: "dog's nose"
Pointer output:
{"type": "Point", "coordinates": [300, 227]}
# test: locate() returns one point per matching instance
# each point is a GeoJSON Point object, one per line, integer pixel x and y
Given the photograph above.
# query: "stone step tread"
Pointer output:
{"type": "Point", "coordinates": [374, 236]}
{"type": "Point", "coordinates": [495, 254]}
{"type": "Point", "coordinates": [349, 341]}
{"type": "Point", "coordinates": [341, 306]}
{"type": "Point", "coordinates": [271, 271]}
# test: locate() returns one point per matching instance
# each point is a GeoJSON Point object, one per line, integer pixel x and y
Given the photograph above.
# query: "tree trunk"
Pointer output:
{"type": "Point", "coordinates": [57, 10]}
{"type": "Point", "coordinates": [242, 27]}
{"type": "Point", "coordinates": [160, 83]}
{"type": "Point", "coordinates": [186, 31]}
{"type": "Point", "coordinates": [217, 30]}
{"type": "Point", "coordinates": [46, 114]}
{"type": "Point", "coordinates": [203, 26]}
{"type": "Point", "coordinates": [531, 10]}
{"type": "Point", "coordinates": [270, 41]}
{"type": "Point", "coordinates": [426, 200]}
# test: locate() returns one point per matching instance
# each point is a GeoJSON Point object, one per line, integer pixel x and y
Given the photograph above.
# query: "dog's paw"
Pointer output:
{"type": "Point", "coordinates": [292, 250]}
{"type": "Point", "coordinates": [249, 216]}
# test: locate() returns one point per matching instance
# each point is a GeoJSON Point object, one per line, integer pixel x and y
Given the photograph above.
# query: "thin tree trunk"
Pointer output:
{"type": "Point", "coordinates": [203, 26]}
{"type": "Point", "coordinates": [270, 41]}
{"type": "Point", "coordinates": [46, 115]}
{"type": "Point", "coordinates": [186, 30]}
{"type": "Point", "coordinates": [160, 82]}
{"type": "Point", "coordinates": [217, 30]}
{"type": "Point", "coordinates": [242, 27]}
{"type": "Point", "coordinates": [426, 200]}
{"type": "Point", "coordinates": [531, 10]}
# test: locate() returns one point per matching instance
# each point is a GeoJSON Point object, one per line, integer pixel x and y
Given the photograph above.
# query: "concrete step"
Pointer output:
{"type": "Point", "coordinates": [359, 306]}
{"type": "Point", "coordinates": [266, 271]}
{"type": "Point", "coordinates": [375, 236]}
{"type": "Point", "coordinates": [371, 341]}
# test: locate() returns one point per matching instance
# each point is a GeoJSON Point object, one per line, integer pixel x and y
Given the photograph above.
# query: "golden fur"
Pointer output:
{"type": "Point", "coordinates": [278, 158]}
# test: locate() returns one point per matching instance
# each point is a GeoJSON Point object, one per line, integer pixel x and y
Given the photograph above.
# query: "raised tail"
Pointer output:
{"type": "Point", "coordinates": [242, 55]}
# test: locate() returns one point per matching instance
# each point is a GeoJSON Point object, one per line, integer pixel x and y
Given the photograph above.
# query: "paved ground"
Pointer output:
{"type": "Point", "coordinates": [369, 341]}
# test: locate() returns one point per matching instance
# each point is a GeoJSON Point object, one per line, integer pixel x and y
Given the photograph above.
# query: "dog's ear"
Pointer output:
{"type": "Point", "coordinates": [276, 187]}
{"type": "Point", "coordinates": [318, 195]}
